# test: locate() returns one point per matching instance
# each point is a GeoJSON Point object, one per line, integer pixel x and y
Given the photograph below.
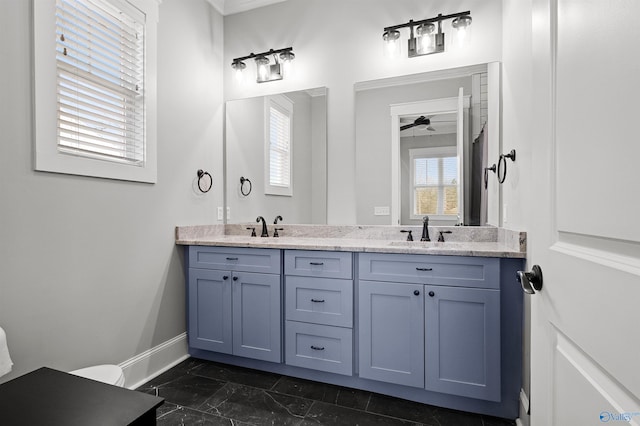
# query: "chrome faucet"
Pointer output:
{"type": "Point", "coordinates": [264, 232]}
{"type": "Point", "coordinates": [425, 229]}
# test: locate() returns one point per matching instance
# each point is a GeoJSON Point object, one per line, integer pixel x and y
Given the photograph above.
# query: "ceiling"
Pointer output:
{"type": "Point", "coordinates": [229, 7]}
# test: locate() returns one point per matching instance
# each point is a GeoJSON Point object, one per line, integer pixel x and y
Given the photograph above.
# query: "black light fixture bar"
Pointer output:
{"type": "Point", "coordinates": [426, 40]}
{"type": "Point", "coordinates": [438, 18]}
{"type": "Point", "coordinates": [267, 53]}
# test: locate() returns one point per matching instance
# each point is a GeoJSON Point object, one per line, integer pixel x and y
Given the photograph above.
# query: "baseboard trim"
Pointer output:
{"type": "Point", "coordinates": [155, 361]}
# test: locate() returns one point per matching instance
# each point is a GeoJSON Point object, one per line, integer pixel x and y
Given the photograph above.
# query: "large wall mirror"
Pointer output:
{"type": "Point", "coordinates": [276, 157]}
{"type": "Point", "coordinates": [422, 143]}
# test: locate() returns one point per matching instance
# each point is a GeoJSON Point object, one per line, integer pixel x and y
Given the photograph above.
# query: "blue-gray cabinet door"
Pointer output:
{"type": "Point", "coordinates": [210, 318]}
{"type": "Point", "coordinates": [462, 338]}
{"type": "Point", "coordinates": [391, 332]}
{"type": "Point", "coordinates": [257, 316]}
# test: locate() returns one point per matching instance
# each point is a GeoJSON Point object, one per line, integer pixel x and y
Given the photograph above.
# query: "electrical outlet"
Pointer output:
{"type": "Point", "coordinates": [381, 211]}
{"type": "Point", "coordinates": [219, 213]}
{"type": "Point", "coordinates": [228, 213]}
{"type": "Point", "coordinates": [504, 214]}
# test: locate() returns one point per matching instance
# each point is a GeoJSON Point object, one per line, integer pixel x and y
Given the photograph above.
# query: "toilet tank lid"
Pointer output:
{"type": "Point", "coordinates": [106, 373]}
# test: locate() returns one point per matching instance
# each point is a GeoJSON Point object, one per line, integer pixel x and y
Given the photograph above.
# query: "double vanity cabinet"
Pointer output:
{"type": "Point", "coordinates": [438, 329]}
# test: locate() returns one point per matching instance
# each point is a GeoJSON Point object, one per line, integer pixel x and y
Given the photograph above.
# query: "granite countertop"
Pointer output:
{"type": "Point", "coordinates": [463, 241]}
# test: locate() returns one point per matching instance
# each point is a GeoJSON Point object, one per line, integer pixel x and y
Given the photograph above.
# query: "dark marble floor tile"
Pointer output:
{"type": "Point", "coordinates": [187, 390]}
{"type": "Point", "coordinates": [257, 406]}
{"type": "Point", "coordinates": [422, 413]}
{"type": "Point", "coordinates": [228, 373]}
{"type": "Point", "coordinates": [307, 389]}
{"type": "Point", "coordinates": [402, 409]}
{"type": "Point", "coordinates": [171, 415]}
{"type": "Point", "coordinates": [328, 414]}
{"type": "Point", "coordinates": [178, 371]}
{"type": "Point", "coordinates": [496, 421]}
{"type": "Point", "coordinates": [353, 398]}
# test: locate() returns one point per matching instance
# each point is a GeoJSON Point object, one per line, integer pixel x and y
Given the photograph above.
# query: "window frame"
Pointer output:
{"type": "Point", "coordinates": [431, 152]}
{"type": "Point", "coordinates": [284, 105]}
{"type": "Point", "coordinates": [47, 156]}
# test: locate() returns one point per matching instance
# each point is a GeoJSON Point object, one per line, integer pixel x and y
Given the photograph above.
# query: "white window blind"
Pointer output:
{"type": "Point", "coordinates": [435, 183]}
{"type": "Point", "coordinates": [278, 145]}
{"type": "Point", "coordinates": [100, 80]}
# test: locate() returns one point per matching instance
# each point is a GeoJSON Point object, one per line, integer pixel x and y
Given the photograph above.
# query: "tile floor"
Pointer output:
{"type": "Point", "coordinates": [200, 392]}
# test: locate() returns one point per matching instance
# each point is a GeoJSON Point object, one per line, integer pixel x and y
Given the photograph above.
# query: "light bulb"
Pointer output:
{"type": "Point", "coordinates": [391, 40]}
{"type": "Point", "coordinates": [426, 41]}
{"type": "Point", "coordinates": [263, 68]}
{"type": "Point", "coordinates": [239, 76]}
{"type": "Point", "coordinates": [239, 66]}
{"type": "Point", "coordinates": [462, 26]}
{"type": "Point", "coordinates": [286, 59]}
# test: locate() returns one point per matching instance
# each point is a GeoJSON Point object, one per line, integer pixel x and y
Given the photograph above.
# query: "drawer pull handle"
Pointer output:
{"type": "Point", "coordinates": [316, 263]}
{"type": "Point", "coordinates": [317, 300]}
{"type": "Point", "coordinates": [232, 258]}
{"type": "Point", "coordinates": [317, 348]}
{"type": "Point", "coordinates": [424, 269]}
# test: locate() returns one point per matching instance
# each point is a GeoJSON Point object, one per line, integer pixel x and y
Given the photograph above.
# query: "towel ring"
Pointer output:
{"type": "Point", "coordinates": [242, 181]}
{"type": "Point", "coordinates": [502, 162]}
{"type": "Point", "coordinates": [201, 175]}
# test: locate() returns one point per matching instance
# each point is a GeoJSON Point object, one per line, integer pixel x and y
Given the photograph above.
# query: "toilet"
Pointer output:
{"type": "Point", "coordinates": [106, 373]}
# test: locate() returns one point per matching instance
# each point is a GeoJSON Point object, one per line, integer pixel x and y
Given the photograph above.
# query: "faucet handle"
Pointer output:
{"type": "Point", "coordinates": [253, 231]}
{"type": "Point", "coordinates": [409, 237]}
{"type": "Point", "coordinates": [275, 232]}
{"type": "Point", "coordinates": [441, 237]}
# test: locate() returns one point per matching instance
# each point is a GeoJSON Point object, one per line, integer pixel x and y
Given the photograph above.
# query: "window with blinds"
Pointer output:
{"type": "Point", "coordinates": [95, 88]}
{"type": "Point", "coordinates": [100, 81]}
{"type": "Point", "coordinates": [434, 177]}
{"type": "Point", "coordinates": [278, 144]}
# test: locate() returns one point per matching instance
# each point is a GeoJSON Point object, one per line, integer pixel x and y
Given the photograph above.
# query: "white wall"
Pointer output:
{"type": "Point", "coordinates": [89, 269]}
{"type": "Point", "coordinates": [338, 43]}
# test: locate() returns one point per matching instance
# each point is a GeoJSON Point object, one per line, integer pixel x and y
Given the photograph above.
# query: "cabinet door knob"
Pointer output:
{"type": "Point", "coordinates": [235, 278]}
{"type": "Point", "coordinates": [416, 292]}
{"type": "Point", "coordinates": [431, 294]}
{"type": "Point", "coordinates": [225, 277]}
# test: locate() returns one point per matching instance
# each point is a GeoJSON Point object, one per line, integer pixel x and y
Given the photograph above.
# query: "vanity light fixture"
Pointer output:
{"type": "Point", "coordinates": [423, 37]}
{"type": "Point", "coordinates": [266, 71]}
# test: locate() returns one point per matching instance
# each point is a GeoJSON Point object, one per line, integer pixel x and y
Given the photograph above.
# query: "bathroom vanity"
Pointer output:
{"type": "Point", "coordinates": [438, 323]}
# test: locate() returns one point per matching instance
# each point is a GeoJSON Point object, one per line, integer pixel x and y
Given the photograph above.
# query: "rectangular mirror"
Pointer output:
{"type": "Point", "coordinates": [276, 157]}
{"type": "Point", "coordinates": [422, 143]}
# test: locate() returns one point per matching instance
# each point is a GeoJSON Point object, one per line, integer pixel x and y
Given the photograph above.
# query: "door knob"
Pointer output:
{"type": "Point", "coordinates": [531, 281]}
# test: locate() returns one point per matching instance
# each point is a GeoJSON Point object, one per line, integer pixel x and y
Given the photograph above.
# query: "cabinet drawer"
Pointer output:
{"type": "Point", "coordinates": [458, 271]}
{"type": "Point", "coordinates": [319, 347]}
{"type": "Point", "coordinates": [319, 300]}
{"type": "Point", "coordinates": [325, 264]}
{"type": "Point", "coordinates": [266, 261]}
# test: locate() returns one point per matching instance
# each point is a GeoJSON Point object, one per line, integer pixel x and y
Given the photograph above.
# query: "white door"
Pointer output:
{"type": "Point", "coordinates": [585, 210]}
